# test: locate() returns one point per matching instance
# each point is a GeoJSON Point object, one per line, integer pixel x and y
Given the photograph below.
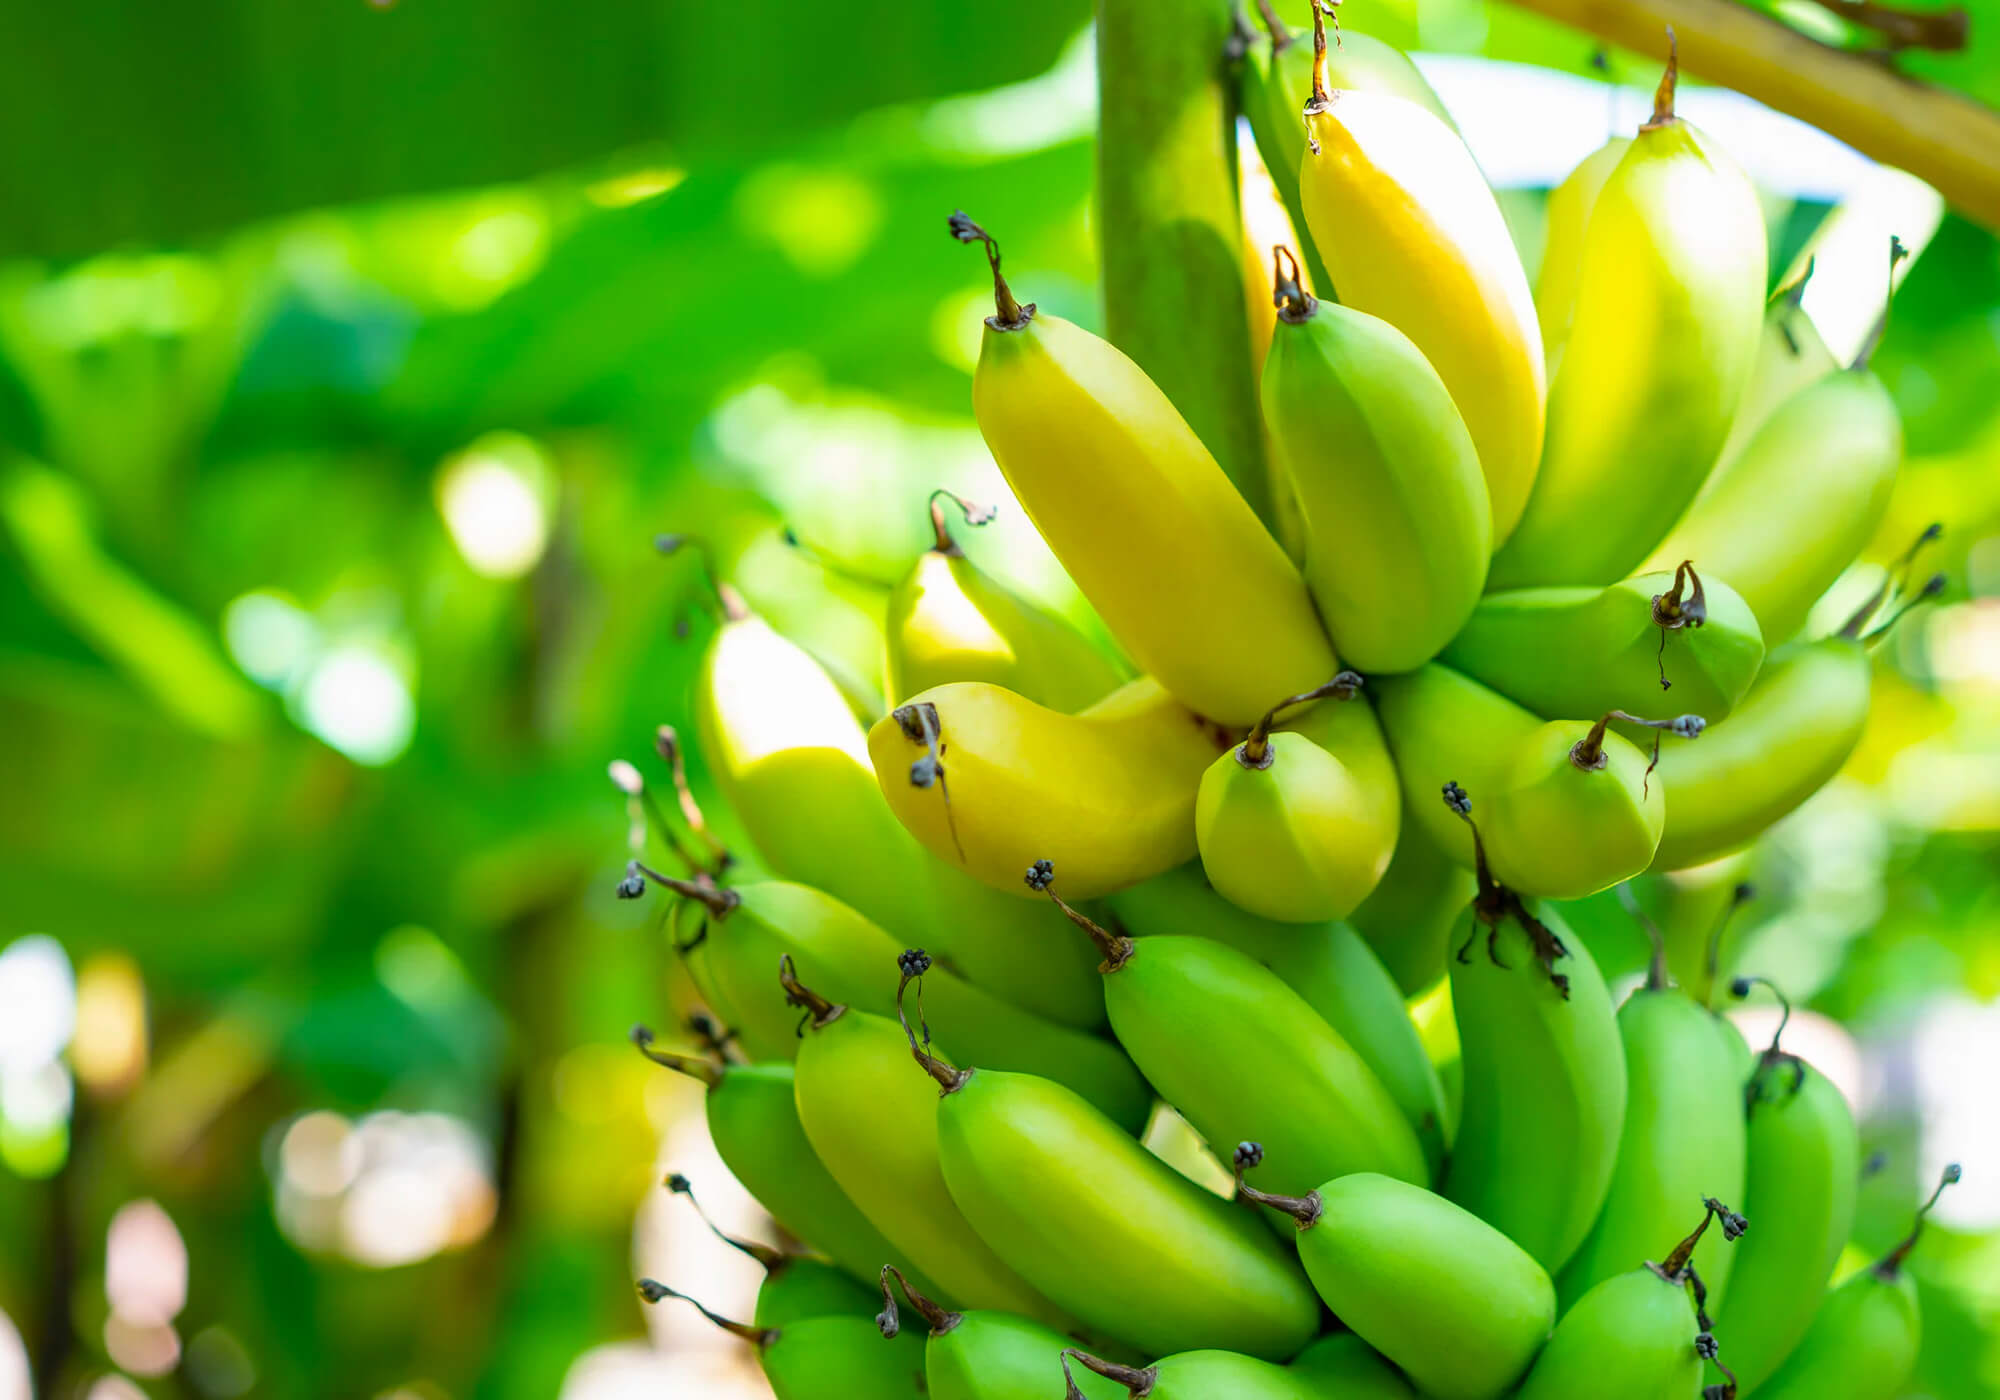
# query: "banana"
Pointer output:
{"type": "Point", "coordinates": [754, 1122]}
{"type": "Point", "coordinates": [992, 782]}
{"type": "Point", "coordinates": [1387, 479]}
{"type": "Point", "coordinates": [835, 1357]}
{"type": "Point", "coordinates": [1327, 964]}
{"type": "Point", "coordinates": [745, 929]}
{"type": "Point", "coordinates": [795, 1286]}
{"type": "Point", "coordinates": [875, 1127]}
{"type": "Point", "coordinates": [1409, 232]}
{"type": "Point", "coordinates": [1228, 1044]}
{"type": "Point", "coordinates": [1444, 727]}
{"type": "Point", "coordinates": [1455, 1303]}
{"type": "Point", "coordinates": [1568, 215]}
{"type": "Point", "coordinates": [1566, 652]}
{"type": "Point", "coordinates": [1175, 561]}
{"type": "Point", "coordinates": [1102, 1226]}
{"type": "Point", "coordinates": [1408, 918]}
{"type": "Point", "coordinates": [1544, 1072]}
{"type": "Point", "coordinates": [1191, 1375]}
{"type": "Point", "coordinates": [1296, 830]}
{"type": "Point", "coordinates": [949, 620]}
{"type": "Point", "coordinates": [1804, 1161]}
{"type": "Point", "coordinates": [1638, 1334]}
{"type": "Point", "coordinates": [1670, 287]}
{"type": "Point", "coordinates": [980, 1355]}
{"type": "Point", "coordinates": [1863, 1342]}
{"type": "Point", "coordinates": [1347, 1368]}
{"type": "Point", "coordinates": [1790, 355]}
{"type": "Point", "coordinates": [792, 763]}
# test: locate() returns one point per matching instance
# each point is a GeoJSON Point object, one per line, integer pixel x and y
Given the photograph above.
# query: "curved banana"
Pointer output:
{"type": "Point", "coordinates": [836, 1357]}
{"type": "Point", "coordinates": [982, 1355]}
{"type": "Point", "coordinates": [1410, 232]}
{"type": "Point", "coordinates": [1569, 652]}
{"type": "Point", "coordinates": [1568, 215]}
{"type": "Point", "coordinates": [1458, 1305]}
{"type": "Point", "coordinates": [1408, 919]}
{"type": "Point", "coordinates": [949, 620]}
{"type": "Point", "coordinates": [1791, 354]}
{"type": "Point", "coordinates": [1387, 480]}
{"type": "Point", "coordinates": [792, 763]}
{"type": "Point", "coordinates": [1296, 830]}
{"type": "Point", "coordinates": [1327, 964]}
{"type": "Point", "coordinates": [1670, 287]}
{"type": "Point", "coordinates": [1443, 728]}
{"type": "Point", "coordinates": [1347, 1368]}
{"type": "Point", "coordinates": [1174, 560]}
{"type": "Point", "coordinates": [1863, 1342]}
{"type": "Point", "coordinates": [992, 783]}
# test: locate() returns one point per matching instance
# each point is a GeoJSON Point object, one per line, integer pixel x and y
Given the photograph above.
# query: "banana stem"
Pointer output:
{"type": "Point", "coordinates": [1495, 903]}
{"type": "Point", "coordinates": [1933, 586]}
{"type": "Point", "coordinates": [734, 609]}
{"type": "Point", "coordinates": [1663, 95]}
{"type": "Point", "coordinates": [1295, 304]}
{"type": "Point", "coordinates": [1897, 252]}
{"type": "Point", "coordinates": [1588, 752]}
{"type": "Point", "coordinates": [773, 1260]}
{"type": "Point", "coordinates": [1656, 969]}
{"type": "Point", "coordinates": [1738, 897]}
{"type": "Point", "coordinates": [915, 963]}
{"type": "Point", "coordinates": [1117, 948]}
{"type": "Point", "coordinates": [645, 817]}
{"type": "Point", "coordinates": [1305, 1210]}
{"type": "Point", "coordinates": [1891, 1263]}
{"type": "Point", "coordinates": [1137, 1380]}
{"type": "Point", "coordinates": [702, 890]}
{"type": "Point", "coordinates": [940, 1318]}
{"type": "Point", "coordinates": [1670, 612]}
{"type": "Point", "coordinates": [1675, 1267]}
{"type": "Point", "coordinates": [1009, 314]}
{"type": "Point", "coordinates": [758, 1337]}
{"type": "Point", "coordinates": [1255, 750]}
{"type": "Point", "coordinates": [975, 516]}
{"type": "Point", "coordinates": [667, 743]}
{"type": "Point", "coordinates": [715, 1039]}
{"type": "Point", "coordinates": [693, 1066]}
{"type": "Point", "coordinates": [1894, 578]}
{"type": "Point", "coordinates": [1281, 34]}
{"type": "Point", "coordinates": [819, 1011]}
{"type": "Point", "coordinates": [1322, 96]}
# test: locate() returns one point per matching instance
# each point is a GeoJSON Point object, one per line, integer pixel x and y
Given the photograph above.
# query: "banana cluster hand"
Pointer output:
{"type": "Point", "coordinates": [1566, 541]}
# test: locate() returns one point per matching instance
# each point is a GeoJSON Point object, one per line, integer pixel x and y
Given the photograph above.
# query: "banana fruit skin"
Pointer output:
{"type": "Point", "coordinates": [1804, 1159]}
{"type": "Point", "coordinates": [997, 1356]}
{"type": "Point", "coordinates": [1579, 652]}
{"type": "Point", "coordinates": [1408, 918]}
{"type": "Point", "coordinates": [1177, 564]}
{"type": "Point", "coordinates": [1670, 292]}
{"type": "Point", "coordinates": [1631, 1337]}
{"type": "Point", "coordinates": [1344, 1367]}
{"type": "Point", "coordinates": [1791, 354]}
{"type": "Point", "coordinates": [1387, 480]}
{"type": "Point", "coordinates": [1862, 1344]}
{"type": "Point", "coordinates": [1409, 231]}
{"type": "Point", "coordinates": [1108, 795]}
{"type": "Point", "coordinates": [1830, 452]}
{"type": "Point", "coordinates": [1545, 1087]}
{"type": "Point", "coordinates": [1790, 734]}
{"type": "Point", "coordinates": [792, 763]}
{"type": "Point", "coordinates": [1683, 1140]}
{"type": "Point", "coordinates": [838, 1358]}
{"type": "Point", "coordinates": [1556, 829]}
{"type": "Point", "coordinates": [1110, 1232]}
{"type": "Point", "coordinates": [1568, 215]}
{"type": "Point", "coordinates": [1444, 727]}
{"type": "Point", "coordinates": [1327, 964]}
{"type": "Point", "coordinates": [1213, 1375]}
{"type": "Point", "coordinates": [798, 1287]}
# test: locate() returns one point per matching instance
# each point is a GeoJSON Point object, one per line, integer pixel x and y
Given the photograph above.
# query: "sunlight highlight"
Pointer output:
{"type": "Point", "coordinates": [495, 499]}
{"type": "Point", "coordinates": [358, 702]}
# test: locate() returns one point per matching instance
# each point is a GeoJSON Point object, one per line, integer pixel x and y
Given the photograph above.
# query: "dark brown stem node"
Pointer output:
{"type": "Point", "coordinates": [940, 1318]}
{"type": "Point", "coordinates": [694, 1066]}
{"type": "Point", "coordinates": [1117, 949]}
{"type": "Point", "coordinates": [734, 609]}
{"type": "Point", "coordinates": [1495, 903]}
{"type": "Point", "coordinates": [975, 516]}
{"type": "Point", "coordinates": [1255, 750]}
{"type": "Point", "coordinates": [1137, 1380]}
{"type": "Point", "coordinates": [818, 1010]}
{"type": "Point", "coordinates": [1663, 95]}
{"type": "Point", "coordinates": [1305, 1210]}
{"type": "Point", "coordinates": [759, 1337]}
{"type": "Point", "coordinates": [1010, 315]}
{"type": "Point", "coordinates": [914, 963]}
{"type": "Point", "coordinates": [1295, 304]}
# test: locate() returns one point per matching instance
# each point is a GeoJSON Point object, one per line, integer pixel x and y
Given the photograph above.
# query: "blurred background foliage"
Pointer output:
{"type": "Point", "coordinates": [350, 359]}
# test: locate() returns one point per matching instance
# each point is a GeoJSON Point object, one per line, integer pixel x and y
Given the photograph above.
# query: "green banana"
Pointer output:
{"type": "Point", "coordinates": [1544, 1072]}
{"type": "Point", "coordinates": [1637, 1334]}
{"type": "Point", "coordinates": [795, 1286]}
{"type": "Point", "coordinates": [1670, 286]}
{"type": "Point", "coordinates": [1804, 1161]}
{"type": "Point", "coordinates": [1568, 215]}
{"type": "Point", "coordinates": [1103, 1227]}
{"type": "Point", "coordinates": [1347, 1368]}
{"type": "Point", "coordinates": [1460, 1307]}
{"type": "Point", "coordinates": [1444, 727]}
{"type": "Point", "coordinates": [792, 763]}
{"type": "Point", "coordinates": [821, 1358]}
{"type": "Point", "coordinates": [1682, 1140]}
{"type": "Point", "coordinates": [1387, 480]}
{"type": "Point", "coordinates": [1790, 355]}
{"type": "Point", "coordinates": [1327, 964]}
{"type": "Point", "coordinates": [753, 1119]}
{"type": "Point", "coordinates": [1574, 651]}
{"type": "Point", "coordinates": [1863, 1342]}
{"type": "Point", "coordinates": [1228, 1044]}
{"type": "Point", "coordinates": [745, 929]}
{"type": "Point", "coordinates": [875, 1126]}
{"type": "Point", "coordinates": [949, 620]}
{"type": "Point", "coordinates": [1408, 918]}
{"type": "Point", "coordinates": [982, 1355]}
{"type": "Point", "coordinates": [1299, 825]}
{"type": "Point", "coordinates": [1192, 1375]}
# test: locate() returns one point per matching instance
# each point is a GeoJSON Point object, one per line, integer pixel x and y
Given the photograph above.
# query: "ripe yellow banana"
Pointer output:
{"type": "Point", "coordinates": [1569, 209]}
{"type": "Point", "coordinates": [992, 783]}
{"type": "Point", "coordinates": [1410, 232]}
{"type": "Point", "coordinates": [1182, 571]}
{"type": "Point", "coordinates": [1669, 290]}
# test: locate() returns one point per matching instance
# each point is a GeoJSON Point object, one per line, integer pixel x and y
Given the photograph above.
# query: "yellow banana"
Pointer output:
{"type": "Point", "coordinates": [1669, 290]}
{"type": "Point", "coordinates": [1569, 209]}
{"type": "Point", "coordinates": [1410, 232]}
{"type": "Point", "coordinates": [991, 783]}
{"type": "Point", "coordinates": [1182, 571]}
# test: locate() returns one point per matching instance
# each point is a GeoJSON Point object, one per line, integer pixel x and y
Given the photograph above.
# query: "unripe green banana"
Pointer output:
{"type": "Point", "coordinates": [795, 1286]}
{"type": "Point", "coordinates": [1387, 480]}
{"type": "Point", "coordinates": [1791, 354]}
{"type": "Point", "coordinates": [1192, 1375]}
{"type": "Point", "coordinates": [1228, 1044]}
{"type": "Point", "coordinates": [1410, 232]}
{"type": "Point", "coordinates": [1347, 1368]}
{"type": "Point", "coordinates": [1804, 1161]}
{"type": "Point", "coordinates": [1295, 829]}
{"type": "Point", "coordinates": [1568, 215]}
{"type": "Point", "coordinates": [982, 1355]}
{"type": "Point", "coordinates": [991, 782]}
{"type": "Point", "coordinates": [1637, 1334]}
{"type": "Point", "coordinates": [1455, 1303]}
{"type": "Point", "coordinates": [1102, 1226]}
{"type": "Point", "coordinates": [744, 930]}
{"type": "Point", "coordinates": [949, 620]}
{"type": "Point", "coordinates": [1327, 964]}
{"type": "Point", "coordinates": [1443, 727]}
{"type": "Point", "coordinates": [875, 1126]}
{"type": "Point", "coordinates": [792, 763]}
{"type": "Point", "coordinates": [1408, 919]}
{"type": "Point", "coordinates": [1863, 1342]}
{"type": "Point", "coordinates": [822, 1358]}
{"type": "Point", "coordinates": [1544, 1072]}
{"type": "Point", "coordinates": [1174, 560]}
{"type": "Point", "coordinates": [1670, 286]}
{"type": "Point", "coordinates": [753, 1119]}
{"type": "Point", "coordinates": [1573, 651]}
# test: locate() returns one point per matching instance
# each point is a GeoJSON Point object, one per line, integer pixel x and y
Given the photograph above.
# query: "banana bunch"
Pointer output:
{"type": "Point", "coordinates": [1533, 632]}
